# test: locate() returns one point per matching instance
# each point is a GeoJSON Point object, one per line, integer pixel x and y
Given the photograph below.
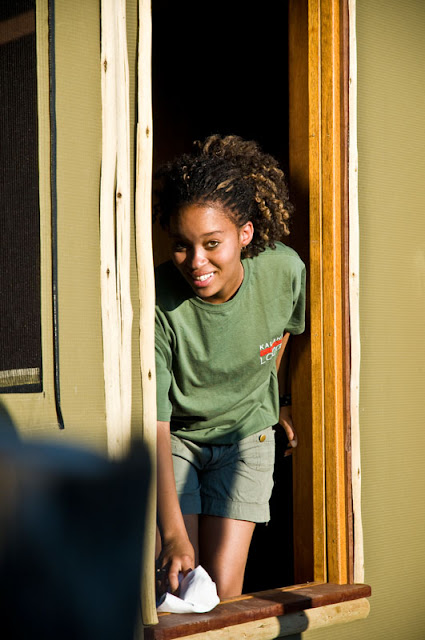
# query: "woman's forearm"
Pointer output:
{"type": "Point", "coordinates": [177, 553]}
{"type": "Point", "coordinates": [170, 519]}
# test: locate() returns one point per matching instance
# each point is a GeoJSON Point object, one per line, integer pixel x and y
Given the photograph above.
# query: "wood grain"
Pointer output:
{"type": "Point", "coordinates": [332, 293]}
{"type": "Point", "coordinates": [322, 172]}
{"type": "Point", "coordinates": [258, 606]}
{"type": "Point", "coordinates": [300, 347]}
{"type": "Point", "coordinates": [290, 624]}
{"type": "Point", "coordinates": [117, 314]}
{"type": "Point", "coordinates": [145, 273]}
{"type": "Point", "coordinates": [317, 283]}
{"type": "Point", "coordinates": [345, 78]}
{"type": "Point", "coordinates": [353, 275]}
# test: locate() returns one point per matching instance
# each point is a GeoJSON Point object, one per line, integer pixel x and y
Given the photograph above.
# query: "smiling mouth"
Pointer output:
{"type": "Point", "coordinates": [203, 279]}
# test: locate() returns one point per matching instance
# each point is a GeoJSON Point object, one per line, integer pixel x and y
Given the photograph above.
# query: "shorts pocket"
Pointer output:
{"type": "Point", "coordinates": [257, 451]}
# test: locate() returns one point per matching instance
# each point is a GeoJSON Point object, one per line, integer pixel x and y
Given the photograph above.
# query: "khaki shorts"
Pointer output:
{"type": "Point", "coordinates": [227, 480]}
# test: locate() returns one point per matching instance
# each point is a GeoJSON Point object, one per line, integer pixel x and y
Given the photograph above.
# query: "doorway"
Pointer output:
{"type": "Point", "coordinates": [216, 71]}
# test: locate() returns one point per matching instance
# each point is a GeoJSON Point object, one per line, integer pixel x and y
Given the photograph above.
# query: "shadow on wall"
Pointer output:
{"type": "Point", "coordinates": [71, 536]}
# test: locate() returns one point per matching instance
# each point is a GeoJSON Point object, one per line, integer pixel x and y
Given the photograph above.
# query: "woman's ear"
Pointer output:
{"type": "Point", "coordinates": [245, 234]}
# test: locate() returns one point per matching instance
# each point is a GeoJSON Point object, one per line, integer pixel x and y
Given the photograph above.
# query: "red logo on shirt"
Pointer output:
{"type": "Point", "coordinates": [269, 350]}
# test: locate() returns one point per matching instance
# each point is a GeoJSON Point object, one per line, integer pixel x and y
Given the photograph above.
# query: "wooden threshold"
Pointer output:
{"type": "Point", "coordinates": [255, 606]}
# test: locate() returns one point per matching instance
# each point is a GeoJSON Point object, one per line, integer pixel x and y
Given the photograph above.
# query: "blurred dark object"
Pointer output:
{"type": "Point", "coordinates": [71, 539]}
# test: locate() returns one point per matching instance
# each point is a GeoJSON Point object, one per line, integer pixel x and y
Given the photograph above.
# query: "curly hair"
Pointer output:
{"type": "Point", "coordinates": [236, 175]}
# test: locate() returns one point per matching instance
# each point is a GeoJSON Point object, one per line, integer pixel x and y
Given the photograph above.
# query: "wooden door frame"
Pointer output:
{"type": "Point", "coordinates": [318, 90]}
{"type": "Point", "coordinates": [323, 542]}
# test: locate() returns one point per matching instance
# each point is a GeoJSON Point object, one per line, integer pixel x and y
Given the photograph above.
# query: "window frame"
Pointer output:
{"type": "Point", "coordinates": [319, 74]}
{"type": "Point", "coordinates": [321, 155]}
{"type": "Point", "coordinates": [317, 167]}
{"type": "Point", "coordinates": [29, 407]}
{"type": "Point", "coordinates": [21, 366]}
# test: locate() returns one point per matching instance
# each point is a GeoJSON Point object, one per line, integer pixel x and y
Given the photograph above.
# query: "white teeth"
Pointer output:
{"type": "Point", "coordinates": [205, 277]}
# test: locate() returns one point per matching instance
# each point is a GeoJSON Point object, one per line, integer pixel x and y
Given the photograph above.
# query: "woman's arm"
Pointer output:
{"type": "Point", "coordinates": [285, 413]}
{"type": "Point", "coordinates": [177, 553]}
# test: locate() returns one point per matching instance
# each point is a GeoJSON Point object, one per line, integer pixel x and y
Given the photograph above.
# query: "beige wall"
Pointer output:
{"type": "Point", "coordinates": [391, 141]}
{"type": "Point", "coordinates": [79, 152]}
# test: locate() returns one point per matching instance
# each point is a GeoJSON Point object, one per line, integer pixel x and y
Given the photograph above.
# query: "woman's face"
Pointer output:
{"type": "Point", "coordinates": [206, 249]}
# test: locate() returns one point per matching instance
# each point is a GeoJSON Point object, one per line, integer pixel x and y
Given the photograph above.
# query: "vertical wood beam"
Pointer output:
{"type": "Point", "coordinates": [145, 271]}
{"type": "Point", "coordinates": [307, 378]}
{"type": "Point", "coordinates": [123, 222]}
{"type": "Point", "coordinates": [326, 352]}
{"type": "Point", "coordinates": [117, 315]}
{"type": "Point", "coordinates": [346, 319]}
{"type": "Point", "coordinates": [110, 327]}
{"type": "Point", "coordinates": [316, 282]}
{"type": "Point", "coordinates": [332, 291]}
{"type": "Point", "coordinates": [302, 464]}
{"type": "Point", "coordinates": [353, 271]}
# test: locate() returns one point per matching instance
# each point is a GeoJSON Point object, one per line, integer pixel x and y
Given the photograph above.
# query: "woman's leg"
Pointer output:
{"type": "Point", "coordinates": [223, 551]}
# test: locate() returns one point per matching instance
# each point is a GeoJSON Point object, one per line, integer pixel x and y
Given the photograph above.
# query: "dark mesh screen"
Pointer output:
{"type": "Point", "coordinates": [20, 304]}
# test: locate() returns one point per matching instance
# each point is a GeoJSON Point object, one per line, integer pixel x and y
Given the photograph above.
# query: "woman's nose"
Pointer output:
{"type": "Point", "coordinates": [197, 258]}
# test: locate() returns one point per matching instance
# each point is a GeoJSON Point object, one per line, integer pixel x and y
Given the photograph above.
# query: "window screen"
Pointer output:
{"type": "Point", "coordinates": [20, 303]}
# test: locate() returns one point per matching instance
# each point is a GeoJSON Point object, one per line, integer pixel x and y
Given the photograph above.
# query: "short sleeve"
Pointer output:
{"type": "Point", "coordinates": [296, 322]}
{"type": "Point", "coordinates": [163, 359]}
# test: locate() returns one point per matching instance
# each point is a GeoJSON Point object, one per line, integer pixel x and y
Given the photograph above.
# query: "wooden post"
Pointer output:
{"type": "Point", "coordinates": [354, 302]}
{"type": "Point", "coordinates": [143, 214]}
{"type": "Point", "coordinates": [333, 356]}
{"type": "Point", "coordinates": [316, 284]}
{"type": "Point", "coordinates": [110, 322]}
{"type": "Point", "coordinates": [324, 356]}
{"type": "Point", "coordinates": [123, 213]}
{"type": "Point", "coordinates": [117, 314]}
{"type": "Point", "coordinates": [305, 176]}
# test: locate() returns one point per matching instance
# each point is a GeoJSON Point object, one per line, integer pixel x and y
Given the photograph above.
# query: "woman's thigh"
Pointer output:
{"type": "Point", "coordinates": [223, 551]}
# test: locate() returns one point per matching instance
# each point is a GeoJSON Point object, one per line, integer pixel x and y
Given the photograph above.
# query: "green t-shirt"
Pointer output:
{"type": "Point", "coordinates": [215, 363]}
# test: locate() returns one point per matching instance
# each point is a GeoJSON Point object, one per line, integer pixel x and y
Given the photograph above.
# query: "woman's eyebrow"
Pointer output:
{"type": "Point", "coordinates": [212, 233]}
{"type": "Point", "coordinates": [204, 235]}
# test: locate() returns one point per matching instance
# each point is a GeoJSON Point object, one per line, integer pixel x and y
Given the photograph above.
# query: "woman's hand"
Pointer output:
{"type": "Point", "coordinates": [177, 556]}
{"type": "Point", "coordinates": [285, 420]}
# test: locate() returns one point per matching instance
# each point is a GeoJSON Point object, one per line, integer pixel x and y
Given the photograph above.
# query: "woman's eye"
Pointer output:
{"type": "Point", "coordinates": [179, 247]}
{"type": "Point", "coordinates": [212, 244]}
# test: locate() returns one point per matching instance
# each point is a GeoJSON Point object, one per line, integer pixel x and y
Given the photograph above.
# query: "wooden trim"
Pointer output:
{"type": "Point", "coordinates": [258, 606]}
{"type": "Point", "coordinates": [27, 409]}
{"type": "Point", "coordinates": [353, 274]}
{"type": "Point", "coordinates": [145, 273]}
{"type": "Point", "coordinates": [123, 221]}
{"type": "Point", "coordinates": [333, 355]}
{"type": "Point", "coordinates": [317, 282]}
{"type": "Point", "coordinates": [117, 314]}
{"type": "Point", "coordinates": [110, 319]}
{"type": "Point", "coordinates": [290, 624]}
{"type": "Point", "coordinates": [345, 74]}
{"type": "Point", "coordinates": [300, 349]}
{"type": "Point", "coordinates": [326, 356]}
{"type": "Point", "coordinates": [304, 161]}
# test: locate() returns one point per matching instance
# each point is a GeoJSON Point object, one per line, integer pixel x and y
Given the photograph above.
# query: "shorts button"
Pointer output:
{"type": "Point", "coordinates": [262, 437]}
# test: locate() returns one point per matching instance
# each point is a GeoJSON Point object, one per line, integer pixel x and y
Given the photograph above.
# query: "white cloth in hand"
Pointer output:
{"type": "Point", "coordinates": [198, 594]}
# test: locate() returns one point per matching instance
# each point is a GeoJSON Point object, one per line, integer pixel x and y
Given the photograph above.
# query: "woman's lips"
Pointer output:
{"type": "Point", "coordinates": [202, 280]}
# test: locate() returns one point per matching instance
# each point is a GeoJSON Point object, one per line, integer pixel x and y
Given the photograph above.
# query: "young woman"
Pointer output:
{"type": "Point", "coordinates": [226, 304]}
